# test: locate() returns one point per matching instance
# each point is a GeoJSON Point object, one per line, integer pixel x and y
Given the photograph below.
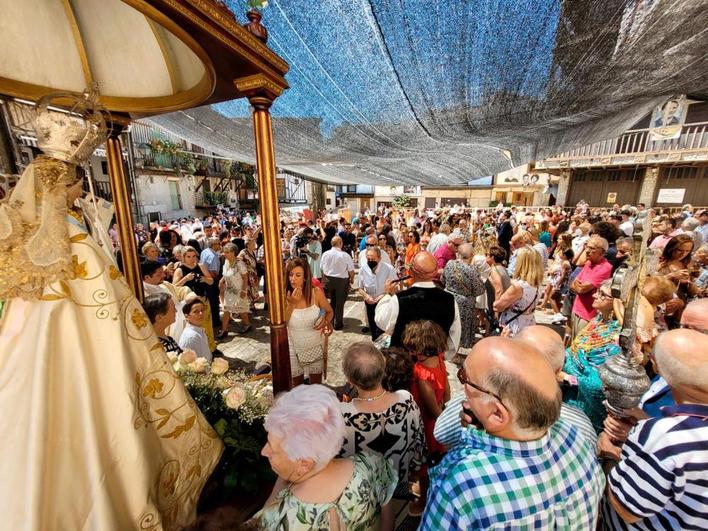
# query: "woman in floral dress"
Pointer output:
{"type": "Point", "coordinates": [314, 490]}
{"type": "Point", "coordinates": [248, 255]}
{"type": "Point", "coordinates": [460, 277]}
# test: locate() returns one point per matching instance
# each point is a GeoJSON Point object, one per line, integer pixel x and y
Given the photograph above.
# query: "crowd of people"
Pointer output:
{"type": "Point", "coordinates": [522, 302]}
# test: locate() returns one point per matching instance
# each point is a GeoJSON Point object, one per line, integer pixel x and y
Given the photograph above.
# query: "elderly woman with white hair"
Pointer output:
{"type": "Point", "coordinates": [315, 491]}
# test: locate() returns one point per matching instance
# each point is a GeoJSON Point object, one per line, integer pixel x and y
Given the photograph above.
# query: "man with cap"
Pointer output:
{"type": "Point", "coordinates": [422, 301]}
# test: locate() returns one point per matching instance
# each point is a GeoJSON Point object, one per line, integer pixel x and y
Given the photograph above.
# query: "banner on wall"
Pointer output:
{"type": "Point", "coordinates": [670, 195]}
{"type": "Point", "coordinates": [668, 119]}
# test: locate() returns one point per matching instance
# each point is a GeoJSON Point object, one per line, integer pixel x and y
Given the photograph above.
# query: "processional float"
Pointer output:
{"type": "Point", "coordinates": [173, 55]}
{"type": "Point", "coordinates": [624, 379]}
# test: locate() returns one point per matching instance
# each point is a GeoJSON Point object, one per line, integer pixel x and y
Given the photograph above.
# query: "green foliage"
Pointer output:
{"type": "Point", "coordinates": [187, 162]}
{"type": "Point", "coordinates": [242, 469]}
{"type": "Point", "coordinates": [401, 201]}
{"type": "Point", "coordinates": [215, 198]}
{"type": "Point", "coordinates": [256, 4]}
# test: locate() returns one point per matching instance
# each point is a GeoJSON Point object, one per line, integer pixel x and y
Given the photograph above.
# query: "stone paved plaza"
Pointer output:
{"type": "Point", "coordinates": [255, 345]}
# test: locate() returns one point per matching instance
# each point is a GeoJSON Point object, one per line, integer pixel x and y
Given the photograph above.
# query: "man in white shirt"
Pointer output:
{"type": "Point", "coordinates": [422, 301]}
{"type": "Point", "coordinates": [371, 242]}
{"type": "Point", "coordinates": [439, 239]}
{"type": "Point", "coordinates": [154, 282]}
{"type": "Point", "coordinates": [338, 270]}
{"type": "Point", "coordinates": [581, 238]}
{"type": "Point", "coordinates": [627, 225]}
{"type": "Point", "coordinates": [372, 279]}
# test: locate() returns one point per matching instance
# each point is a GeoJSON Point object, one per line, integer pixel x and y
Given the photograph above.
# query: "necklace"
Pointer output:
{"type": "Point", "coordinates": [371, 399]}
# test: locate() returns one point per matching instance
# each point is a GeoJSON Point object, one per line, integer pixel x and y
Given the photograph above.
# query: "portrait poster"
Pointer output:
{"type": "Point", "coordinates": [612, 197]}
{"type": "Point", "coordinates": [667, 119]}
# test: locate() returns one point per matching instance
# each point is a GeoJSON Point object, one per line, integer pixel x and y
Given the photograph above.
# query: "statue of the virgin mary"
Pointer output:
{"type": "Point", "coordinates": [97, 431]}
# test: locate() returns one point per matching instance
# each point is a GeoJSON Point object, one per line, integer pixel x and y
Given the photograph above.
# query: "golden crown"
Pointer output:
{"type": "Point", "coordinates": [72, 134]}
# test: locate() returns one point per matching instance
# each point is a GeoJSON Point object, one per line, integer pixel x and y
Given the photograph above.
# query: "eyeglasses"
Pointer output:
{"type": "Point", "coordinates": [371, 245]}
{"type": "Point", "coordinates": [464, 381]}
{"type": "Point", "coordinates": [692, 327]}
{"type": "Point", "coordinates": [603, 295]}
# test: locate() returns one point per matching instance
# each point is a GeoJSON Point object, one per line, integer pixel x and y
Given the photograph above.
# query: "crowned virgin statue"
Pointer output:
{"type": "Point", "coordinates": [97, 431]}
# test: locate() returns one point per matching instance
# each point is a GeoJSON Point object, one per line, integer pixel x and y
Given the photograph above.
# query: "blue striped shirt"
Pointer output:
{"type": "Point", "coordinates": [448, 430]}
{"type": "Point", "coordinates": [662, 476]}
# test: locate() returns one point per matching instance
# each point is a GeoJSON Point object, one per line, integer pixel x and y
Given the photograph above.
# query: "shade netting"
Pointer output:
{"type": "Point", "coordinates": [440, 92]}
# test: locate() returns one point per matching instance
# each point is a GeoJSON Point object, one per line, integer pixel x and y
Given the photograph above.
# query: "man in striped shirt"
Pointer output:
{"type": "Point", "coordinates": [661, 479]}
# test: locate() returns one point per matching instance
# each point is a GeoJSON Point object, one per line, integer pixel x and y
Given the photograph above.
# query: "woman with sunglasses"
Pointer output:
{"type": "Point", "coordinates": [593, 346]}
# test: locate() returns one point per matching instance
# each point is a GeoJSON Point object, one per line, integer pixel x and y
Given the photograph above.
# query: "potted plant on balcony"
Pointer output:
{"type": "Point", "coordinates": [187, 163]}
{"type": "Point", "coordinates": [164, 152]}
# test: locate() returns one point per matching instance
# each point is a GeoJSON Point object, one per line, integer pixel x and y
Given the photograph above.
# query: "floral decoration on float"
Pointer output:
{"type": "Point", "coordinates": [236, 405]}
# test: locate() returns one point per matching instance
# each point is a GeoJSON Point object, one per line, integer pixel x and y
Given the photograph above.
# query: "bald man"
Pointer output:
{"type": "Point", "coordinates": [448, 428]}
{"type": "Point", "coordinates": [517, 465]}
{"type": "Point", "coordinates": [659, 481]}
{"type": "Point", "coordinates": [422, 301]}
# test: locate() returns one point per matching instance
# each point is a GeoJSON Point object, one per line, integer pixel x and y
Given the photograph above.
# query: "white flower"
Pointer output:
{"type": "Point", "coordinates": [219, 366]}
{"type": "Point", "coordinates": [188, 356]}
{"type": "Point", "coordinates": [266, 394]}
{"type": "Point", "coordinates": [172, 357]}
{"type": "Point", "coordinates": [199, 365]}
{"type": "Point", "coordinates": [235, 396]}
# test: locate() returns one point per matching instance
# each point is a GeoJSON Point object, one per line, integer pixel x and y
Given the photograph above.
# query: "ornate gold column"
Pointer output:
{"type": "Point", "coordinates": [261, 92]}
{"type": "Point", "coordinates": [124, 220]}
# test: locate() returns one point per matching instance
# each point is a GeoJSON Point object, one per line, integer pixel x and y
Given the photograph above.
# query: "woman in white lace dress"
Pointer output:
{"type": "Point", "coordinates": [309, 317]}
{"type": "Point", "coordinates": [518, 303]}
{"type": "Point", "coordinates": [235, 280]}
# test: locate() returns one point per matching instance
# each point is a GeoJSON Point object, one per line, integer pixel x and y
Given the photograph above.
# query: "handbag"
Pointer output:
{"type": "Point", "coordinates": [309, 355]}
{"type": "Point", "coordinates": [518, 313]}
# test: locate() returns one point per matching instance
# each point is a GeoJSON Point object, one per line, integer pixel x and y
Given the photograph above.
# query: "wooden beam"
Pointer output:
{"type": "Point", "coordinates": [200, 184]}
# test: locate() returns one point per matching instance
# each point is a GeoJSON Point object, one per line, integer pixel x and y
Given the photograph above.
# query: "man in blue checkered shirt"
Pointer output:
{"type": "Point", "coordinates": [517, 466]}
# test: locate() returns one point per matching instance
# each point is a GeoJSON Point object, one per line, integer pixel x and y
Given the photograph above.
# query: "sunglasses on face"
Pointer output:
{"type": "Point", "coordinates": [462, 377]}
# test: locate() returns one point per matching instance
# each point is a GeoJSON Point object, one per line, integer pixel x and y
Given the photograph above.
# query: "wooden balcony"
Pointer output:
{"type": "Point", "coordinates": [636, 147]}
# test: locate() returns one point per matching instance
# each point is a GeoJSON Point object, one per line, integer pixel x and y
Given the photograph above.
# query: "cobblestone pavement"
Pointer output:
{"type": "Point", "coordinates": [255, 345]}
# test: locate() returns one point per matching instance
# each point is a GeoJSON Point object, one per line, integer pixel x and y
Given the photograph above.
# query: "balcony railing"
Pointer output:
{"type": "Point", "coordinates": [101, 189]}
{"type": "Point", "coordinates": [151, 159]}
{"type": "Point", "coordinates": [207, 199]}
{"type": "Point", "coordinates": [635, 144]}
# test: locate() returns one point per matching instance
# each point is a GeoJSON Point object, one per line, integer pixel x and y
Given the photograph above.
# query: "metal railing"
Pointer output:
{"type": "Point", "coordinates": [100, 188]}
{"type": "Point", "coordinates": [693, 137]}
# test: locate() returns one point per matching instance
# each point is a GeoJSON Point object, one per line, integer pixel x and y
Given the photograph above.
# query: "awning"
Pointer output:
{"type": "Point", "coordinates": [399, 92]}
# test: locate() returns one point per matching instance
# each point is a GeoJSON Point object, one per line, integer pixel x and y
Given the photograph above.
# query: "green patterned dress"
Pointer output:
{"type": "Point", "coordinates": [592, 347]}
{"type": "Point", "coordinates": [358, 506]}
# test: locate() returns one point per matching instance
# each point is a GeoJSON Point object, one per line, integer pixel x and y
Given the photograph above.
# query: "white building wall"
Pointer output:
{"type": "Point", "coordinates": [154, 192]}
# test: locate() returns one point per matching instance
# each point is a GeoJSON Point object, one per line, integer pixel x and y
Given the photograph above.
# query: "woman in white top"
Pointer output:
{"type": "Point", "coordinates": [235, 283]}
{"type": "Point", "coordinates": [518, 303]}
{"type": "Point", "coordinates": [309, 317]}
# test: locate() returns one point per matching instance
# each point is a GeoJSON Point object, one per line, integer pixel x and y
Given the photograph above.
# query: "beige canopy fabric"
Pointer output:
{"type": "Point", "coordinates": [141, 63]}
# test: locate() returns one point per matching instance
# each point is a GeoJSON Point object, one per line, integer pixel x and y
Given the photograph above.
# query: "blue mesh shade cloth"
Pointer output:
{"type": "Point", "coordinates": [440, 92]}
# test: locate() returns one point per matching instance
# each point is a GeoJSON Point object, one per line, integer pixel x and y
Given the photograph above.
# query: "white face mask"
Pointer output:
{"type": "Point", "coordinates": [577, 233]}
